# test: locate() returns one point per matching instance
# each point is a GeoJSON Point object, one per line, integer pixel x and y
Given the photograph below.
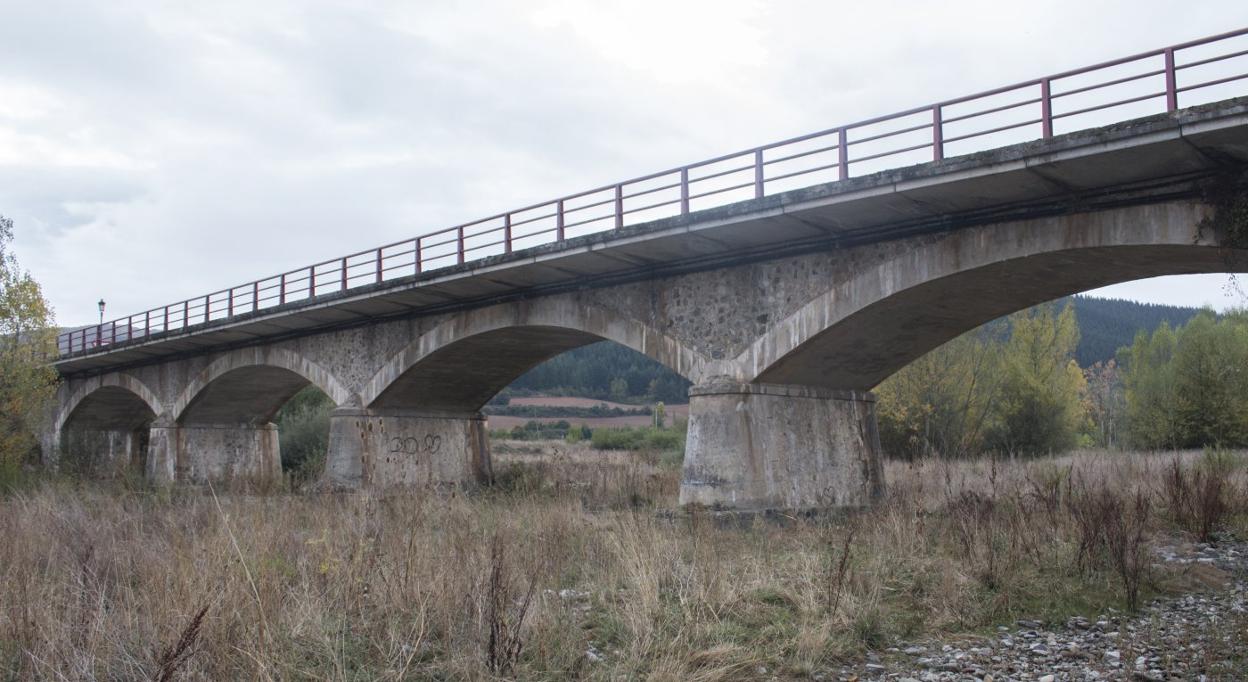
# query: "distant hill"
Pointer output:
{"type": "Point", "coordinates": [1107, 324]}
{"type": "Point", "coordinates": [607, 371]}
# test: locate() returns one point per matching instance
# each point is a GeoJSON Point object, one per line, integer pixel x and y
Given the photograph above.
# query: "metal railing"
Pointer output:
{"type": "Point", "coordinates": [1109, 92]}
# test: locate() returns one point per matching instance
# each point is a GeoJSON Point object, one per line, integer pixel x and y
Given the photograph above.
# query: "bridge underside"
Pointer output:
{"type": "Point", "coordinates": [782, 347]}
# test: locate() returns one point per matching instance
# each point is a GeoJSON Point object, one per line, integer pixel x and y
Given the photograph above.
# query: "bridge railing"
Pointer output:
{"type": "Point", "coordinates": [1161, 80]}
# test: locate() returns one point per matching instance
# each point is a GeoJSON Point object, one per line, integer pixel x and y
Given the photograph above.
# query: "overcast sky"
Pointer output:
{"type": "Point", "coordinates": [154, 151]}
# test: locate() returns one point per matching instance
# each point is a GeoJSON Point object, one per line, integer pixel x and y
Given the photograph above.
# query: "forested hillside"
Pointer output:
{"type": "Point", "coordinates": [1107, 324]}
{"type": "Point", "coordinates": [612, 372]}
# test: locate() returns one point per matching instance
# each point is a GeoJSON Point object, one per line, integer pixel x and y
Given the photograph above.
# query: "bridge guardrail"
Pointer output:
{"type": "Point", "coordinates": [1132, 86]}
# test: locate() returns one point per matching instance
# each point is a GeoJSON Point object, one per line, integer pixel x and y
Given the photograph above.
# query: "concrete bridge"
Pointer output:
{"type": "Point", "coordinates": [784, 309]}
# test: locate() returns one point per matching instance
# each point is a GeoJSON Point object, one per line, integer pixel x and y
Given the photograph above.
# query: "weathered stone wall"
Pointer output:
{"type": "Point", "coordinates": [764, 446]}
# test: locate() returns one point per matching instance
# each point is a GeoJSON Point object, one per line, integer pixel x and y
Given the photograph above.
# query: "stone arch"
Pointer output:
{"type": "Point", "coordinates": [113, 380]}
{"type": "Point", "coordinates": [496, 344]}
{"type": "Point", "coordinates": [284, 371]}
{"type": "Point", "coordinates": [861, 331]}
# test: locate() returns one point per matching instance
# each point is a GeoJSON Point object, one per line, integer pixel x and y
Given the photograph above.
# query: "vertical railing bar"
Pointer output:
{"type": "Point", "coordinates": [229, 304]}
{"type": "Point", "coordinates": [311, 282]}
{"type": "Point", "coordinates": [685, 190]}
{"type": "Point", "coordinates": [380, 273]}
{"type": "Point", "coordinates": [344, 273]}
{"type": "Point", "coordinates": [420, 266]}
{"type": "Point", "coordinates": [1046, 108]}
{"type": "Point", "coordinates": [186, 313]}
{"type": "Point", "coordinates": [842, 154]}
{"type": "Point", "coordinates": [758, 173]}
{"type": "Point", "coordinates": [255, 296]}
{"type": "Point", "coordinates": [619, 206]}
{"type": "Point", "coordinates": [938, 135]}
{"type": "Point", "coordinates": [207, 307]}
{"type": "Point", "coordinates": [165, 327]}
{"type": "Point", "coordinates": [558, 221]}
{"type": "Point", "coordinates": [506, 233]}
{"type": "Point", "coordinates": [459, 244]}
{"type": "Point", "coordinates": [1172, 95]}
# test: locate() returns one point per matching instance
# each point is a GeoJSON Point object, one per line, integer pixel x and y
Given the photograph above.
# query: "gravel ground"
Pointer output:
{"type": "Point", "coordinates": [1200, 636]}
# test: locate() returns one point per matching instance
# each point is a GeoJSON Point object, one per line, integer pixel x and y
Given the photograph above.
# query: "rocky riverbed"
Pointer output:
{"type": "Point", "coordinates": [1198, 636]}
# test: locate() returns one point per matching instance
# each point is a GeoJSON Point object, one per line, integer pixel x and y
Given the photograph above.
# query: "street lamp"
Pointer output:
{"type": "Point", "coordinates": [101, 311]}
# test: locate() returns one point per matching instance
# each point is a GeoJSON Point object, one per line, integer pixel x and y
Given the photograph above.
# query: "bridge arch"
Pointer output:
{"type": "Point", "coordinates": [861, 331]}
{"type": "Point", "coordinates": [112, 399]}
{"type": "Point", "coordinates": [250, 385]}
{"type": "Point", "coordinates": [463, 362]}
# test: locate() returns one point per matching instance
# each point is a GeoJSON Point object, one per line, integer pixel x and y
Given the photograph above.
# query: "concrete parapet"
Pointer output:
{"type": "Point", "coordinates": [379, 448]}
{"type": "Point", "coordinates": [766, 446]}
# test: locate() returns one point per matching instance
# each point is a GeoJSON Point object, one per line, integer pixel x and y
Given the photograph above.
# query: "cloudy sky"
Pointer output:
{"type": "Point", "coordinates": [154, 151]}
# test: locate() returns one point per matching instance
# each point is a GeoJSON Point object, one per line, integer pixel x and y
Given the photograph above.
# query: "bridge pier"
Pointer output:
{"type": "Point", "coordinates": [216, 452]}
{"type": "Point", "coordinates": [379, 448]}
{"type": "Point", "coordinates": [754, 447]}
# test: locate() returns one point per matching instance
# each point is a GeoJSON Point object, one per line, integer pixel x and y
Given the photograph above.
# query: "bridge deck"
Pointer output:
{"type": "Point", "coordinates": [1151, 154]}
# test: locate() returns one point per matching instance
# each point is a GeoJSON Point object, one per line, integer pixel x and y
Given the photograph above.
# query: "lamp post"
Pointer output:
{"type": "Point", "coordinates": [101, 311]}
{"type": "Point", "coordinates": [99, 329]}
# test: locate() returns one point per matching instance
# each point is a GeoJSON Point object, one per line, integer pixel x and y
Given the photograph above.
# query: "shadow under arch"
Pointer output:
{"type": "Point", "coordinates": [104, 428]}
{"type": "Point", "coordinates": [864, 330]}
{"type": "Point", "coordinates": [462, 363]}
{"type": "Point", "coordinates": [249, 386]}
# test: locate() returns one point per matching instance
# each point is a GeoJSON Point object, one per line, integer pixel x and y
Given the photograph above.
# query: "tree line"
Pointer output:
{"type": "Point", "coordinates": [1015, 387]}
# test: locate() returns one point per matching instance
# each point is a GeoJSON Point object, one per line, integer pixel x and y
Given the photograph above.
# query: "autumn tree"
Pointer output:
{"type": "Point", "coordinates": [27, 337]}
{"type": "Point", "coordinates": [1039, 409]}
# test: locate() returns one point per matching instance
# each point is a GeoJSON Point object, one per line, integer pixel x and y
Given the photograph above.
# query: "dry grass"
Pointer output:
{"type": "Point", "coordinates": [570, 555]}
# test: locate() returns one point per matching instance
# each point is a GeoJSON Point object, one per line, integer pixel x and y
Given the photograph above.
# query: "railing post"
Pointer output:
{"type": "Point", "coordinates": [147, 324]}
{"type": "Point", "coordinates": [619, 206]}
{"type": "Point", "coordinates": [99, 336]}
{"type": "Point", "coordinates": [186, 313]}
{"type": "Point", "coordinates": [558, 221]}
{"type": "Point", "coordinates": [758, 174]}
{"type": "Point", "coordinates": [842, 154]}
{"type": "Point", "coordinates": [506, 233]}
{"type": "Point", "coordinates": [165, 326]}
{"type": "Point", "coordinates": [938, 135]}
{"type": "Point", "coordinates": [255, 296]}
{"type": "Point", "coordinates": [420, 266]}
{"type": "Point", "coordinates": [344, 274]}
{"type": "Point", "coordinates": [459, 243]}
{"type": "Point", "coordinates": [1172, 93]}
{"type": "Point", "coordinates": [684, 191]}
{"type": "Point", "coordinates": [380, 272]}
{"type": "Point", "coordinates": [281, 290]}
{"type": "Point", "coordinates": [1046, 109]}
{"type": "Point", "coordinates": [207, 308]}
{"type": "Point", "coordinates": [312, 282]}
{"type": "Point", "coordinates": [113, 324]}
{"type": "Point", "coordinates": [229, 303]}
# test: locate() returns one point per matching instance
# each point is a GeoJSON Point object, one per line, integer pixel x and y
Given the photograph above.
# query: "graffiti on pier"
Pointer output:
{"type": "Point", "coordinates": [412, 445]}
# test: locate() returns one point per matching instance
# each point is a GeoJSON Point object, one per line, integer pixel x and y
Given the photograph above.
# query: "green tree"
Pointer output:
{"type": "Point", "coordinates": [1039, 408]}
{"type": "Point", "coordinates": [27, 339]}
{"type": "Point", "coordinates": [1150, 389]}
{"type": "Point", "coordinates": [1189, 387]}
{"type": "Point", "coordinates": [939, 404]}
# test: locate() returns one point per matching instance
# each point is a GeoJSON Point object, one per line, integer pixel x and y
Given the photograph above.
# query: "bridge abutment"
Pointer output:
{"type": "Point", "coordinates": [754, 447]}
{"type": "Point", "coordinates": [379, 448]}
